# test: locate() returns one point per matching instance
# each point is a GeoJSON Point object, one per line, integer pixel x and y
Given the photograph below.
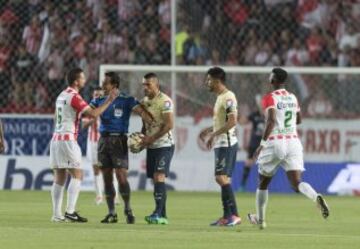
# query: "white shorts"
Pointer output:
{"type": "Point", "coordinates": [92, 152]}
{"type": "Point", "coordinates": [287, 153]}
{"type": "Point", "coordinates": [65, 154]}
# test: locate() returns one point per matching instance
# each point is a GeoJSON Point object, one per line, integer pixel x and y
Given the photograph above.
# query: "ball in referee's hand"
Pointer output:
{"type": "Point", "coordinates": [134, 142]}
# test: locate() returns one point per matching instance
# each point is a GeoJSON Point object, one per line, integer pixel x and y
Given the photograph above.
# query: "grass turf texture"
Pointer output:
{"type": "Point", "coordinates": [293, 222]}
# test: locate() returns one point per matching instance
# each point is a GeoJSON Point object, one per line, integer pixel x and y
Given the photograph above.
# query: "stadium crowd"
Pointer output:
{"type": "Point", "coordinates": [41, 40]}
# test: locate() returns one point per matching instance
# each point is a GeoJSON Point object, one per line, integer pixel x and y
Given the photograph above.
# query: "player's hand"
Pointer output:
{"type": "Point", "coordinates": [114, 93]}
{"type": "Point", "coordinates": [210, 141]}
{"type": "Point", "coordinates": [146, 141]}
{"type": "Point", "coordinates": [257, 152]}
{"type": "Point", "coordinates": [204, 133]}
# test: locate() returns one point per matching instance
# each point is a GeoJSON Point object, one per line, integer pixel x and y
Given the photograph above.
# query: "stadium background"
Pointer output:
{"type": "Point", "coordinates": [41, 40]}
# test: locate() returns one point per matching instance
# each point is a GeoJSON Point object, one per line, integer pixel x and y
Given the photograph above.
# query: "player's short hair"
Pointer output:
{"type": "Point", "coordinates": [279, 75]}
{"type": "Point", "coordinates": [73, 75]}
{"type": "Point", "coordinates": [217, 73]}
{"type": "Point", "coordinates": [150, 75]}
{"type": "Point", "coordinates": [114, 78]}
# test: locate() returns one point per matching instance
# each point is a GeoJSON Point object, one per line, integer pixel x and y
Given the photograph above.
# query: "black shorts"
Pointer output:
{"type": "Point", "coordinates": [158, 160]}
{"type": "Point", "coordinates": [113, 152]}
{"type": "Point", "coordinates": [225, 159]}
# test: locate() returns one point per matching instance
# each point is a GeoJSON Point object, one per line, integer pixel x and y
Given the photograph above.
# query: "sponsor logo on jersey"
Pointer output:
{"type": "Point", "coordinates": [282, 105]}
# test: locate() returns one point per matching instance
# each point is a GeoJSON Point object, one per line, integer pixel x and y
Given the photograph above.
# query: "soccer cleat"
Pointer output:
{"type": "Point", "coordinates": [233, 221]}
{"type": "Point", "coordinates": [255, 221]}
{"type": "Point", "coordinates": [156, 219]}
{"type": "Point", "coordinates": [98, 200]}
{"type": "Point", "coordinates": [110, 218]}
{"type": "Point", "coordinates": [321, 203]}
{"type": "Point", "coordinates": [75, 217]}
{"type": "Point", "coordinates": [220, 222]}
{"type": "Point", "coordinates": [130, 217]}
{"type": "Point", "coordinates": [58, 219]}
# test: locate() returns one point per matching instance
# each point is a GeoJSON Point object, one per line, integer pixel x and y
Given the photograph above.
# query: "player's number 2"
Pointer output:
{"type": "Point", "coordinates": [288, 116]}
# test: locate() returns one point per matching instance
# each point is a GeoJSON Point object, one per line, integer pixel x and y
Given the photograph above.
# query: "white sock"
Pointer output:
{"type": "Point", "coordinates": [57, 192]}
{"type": "Point", "coordinates": [98, 185]}
{"type": "Point", "coordinates": [306, 189]}
{"type": "Point", "coordinates": [116, 186]}
{"type": "Point", "coordinates": [261, 203]}
{"type": "Point", "coordinates": [72, 195]}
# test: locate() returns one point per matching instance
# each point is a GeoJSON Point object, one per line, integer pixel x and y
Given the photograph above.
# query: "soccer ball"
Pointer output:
{"type": "Point", "coordinates": [134, 141]}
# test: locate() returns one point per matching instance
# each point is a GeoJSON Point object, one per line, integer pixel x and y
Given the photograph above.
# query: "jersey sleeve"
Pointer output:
{"type": "Point", "coordinates": [267, 102]}
{"type": "Point", "coordinates": [230, 104]}
{"type": "Point", "coordinates": [78, 103]}
{"type": "Point", "coordinates": [167, 106]}
{"type": "Point", "coordinates": [94, 103]}
{"type": "Point", "coordinates": [133, 102]}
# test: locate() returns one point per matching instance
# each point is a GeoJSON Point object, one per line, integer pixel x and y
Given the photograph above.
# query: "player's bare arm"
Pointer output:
{"type": "Point", "coordinates": [87, 122]}
{"type": "Point", "coordinates": [2, 140]}
{"type": "Point", "coordinates": [230, 123]}
{"type": "Point", "coordinates": [269, 126]}
{"type": "Point", "coordinates": [94, 113]}
{"type": "Point", "coordinates": [167, 125]}
{"type": "Point", "coordinates": [145, 115]}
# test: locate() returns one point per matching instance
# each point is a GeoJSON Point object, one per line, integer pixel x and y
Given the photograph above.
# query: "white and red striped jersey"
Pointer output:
{"type": "Point", "coordinates": [286, 107]}
{"type": "Point", "coordinates": [69, 107]}
{"type": "Point", "coordinates": [93, 132]}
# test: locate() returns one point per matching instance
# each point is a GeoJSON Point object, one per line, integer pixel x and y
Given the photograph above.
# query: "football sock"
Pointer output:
{"type": "Point", "coordinates": [98, 185]}
{"type": "Point", "coordinates": [57, 192]}
{"type": "Point", "coordinates": [261, 203]}
{"type": "Point", "coordinates": [124, 190]}
{"type": "Point", "coordinates": [72, 194]}
{"type": "Point", "coordinates": [110, 195]}
{"type": "Point", "coordinates": [228, 199]}
{"type": "Point", "coordinates": [116, 186]}
{"type": "Point", "coordinates": [163, 213]}
{"type": "Point", "coordinates": [245, 176]}
{"type": "Point", "coordinates": [159, 196]}
{"type": "Point", "coordinates": [306, 189]}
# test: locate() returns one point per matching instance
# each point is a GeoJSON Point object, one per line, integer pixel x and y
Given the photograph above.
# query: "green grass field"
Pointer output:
{"type": "Point", "coordinates": [293, 222]}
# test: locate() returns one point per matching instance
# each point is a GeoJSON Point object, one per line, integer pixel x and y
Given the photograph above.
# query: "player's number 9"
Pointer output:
{"type": "Point", "coordinates": [288, 116]}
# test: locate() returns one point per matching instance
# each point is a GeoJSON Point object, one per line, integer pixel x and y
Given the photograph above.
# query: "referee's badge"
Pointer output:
{"type": "Point", "coordinates": [118, 112]}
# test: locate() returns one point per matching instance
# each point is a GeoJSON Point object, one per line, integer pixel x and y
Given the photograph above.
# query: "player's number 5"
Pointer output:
{"type": "Point", "coordinates": [288, 116]}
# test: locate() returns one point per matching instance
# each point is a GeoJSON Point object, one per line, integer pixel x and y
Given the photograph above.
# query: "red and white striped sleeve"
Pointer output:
{"type": "Point", "coordinates": [78, 103]}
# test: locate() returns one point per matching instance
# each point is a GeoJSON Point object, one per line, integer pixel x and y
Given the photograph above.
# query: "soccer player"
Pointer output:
{"type": "Point", "coordinates": [222, 137]}
{"type": "Point", "coordinates": [65, 153]}
{"type": "Point", "coordinates": [112, 147]}
{"type": "Point", "coordinates": [159, 143]}
{"type": "Point", "coordinates": [256, 118]}
{"type": "Point", "coordinates": [2, 139]}
{"type": "Point", "coordinates": [280, 145]}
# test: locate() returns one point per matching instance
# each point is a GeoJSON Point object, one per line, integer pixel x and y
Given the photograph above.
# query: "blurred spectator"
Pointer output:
{"type": "Point", "coordinates": [23, 66]}
{"type": "Point", "coordinates": [32, 36]}
{"type": "Point", "coordinates": [319, 105]}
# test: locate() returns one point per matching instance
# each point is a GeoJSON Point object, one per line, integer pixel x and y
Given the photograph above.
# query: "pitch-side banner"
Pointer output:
{"type": "Point", "coordinates": [25, 164]}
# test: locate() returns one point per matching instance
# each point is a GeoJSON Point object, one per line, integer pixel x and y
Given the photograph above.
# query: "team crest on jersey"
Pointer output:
{"type": "Point", "coordinates": [167, 105]}
{"type": "Point", "coordinates": [229, 103]}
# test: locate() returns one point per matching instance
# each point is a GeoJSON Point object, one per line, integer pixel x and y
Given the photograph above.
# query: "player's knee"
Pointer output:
{"type": "Point", "coordinates": [222, 180]}
{"type": "Point", "coordinates": [159, 177]}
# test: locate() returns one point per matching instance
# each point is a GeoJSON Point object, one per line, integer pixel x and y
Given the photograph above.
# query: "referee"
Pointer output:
{"type": "Point", "coordinates": [112, 147]}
